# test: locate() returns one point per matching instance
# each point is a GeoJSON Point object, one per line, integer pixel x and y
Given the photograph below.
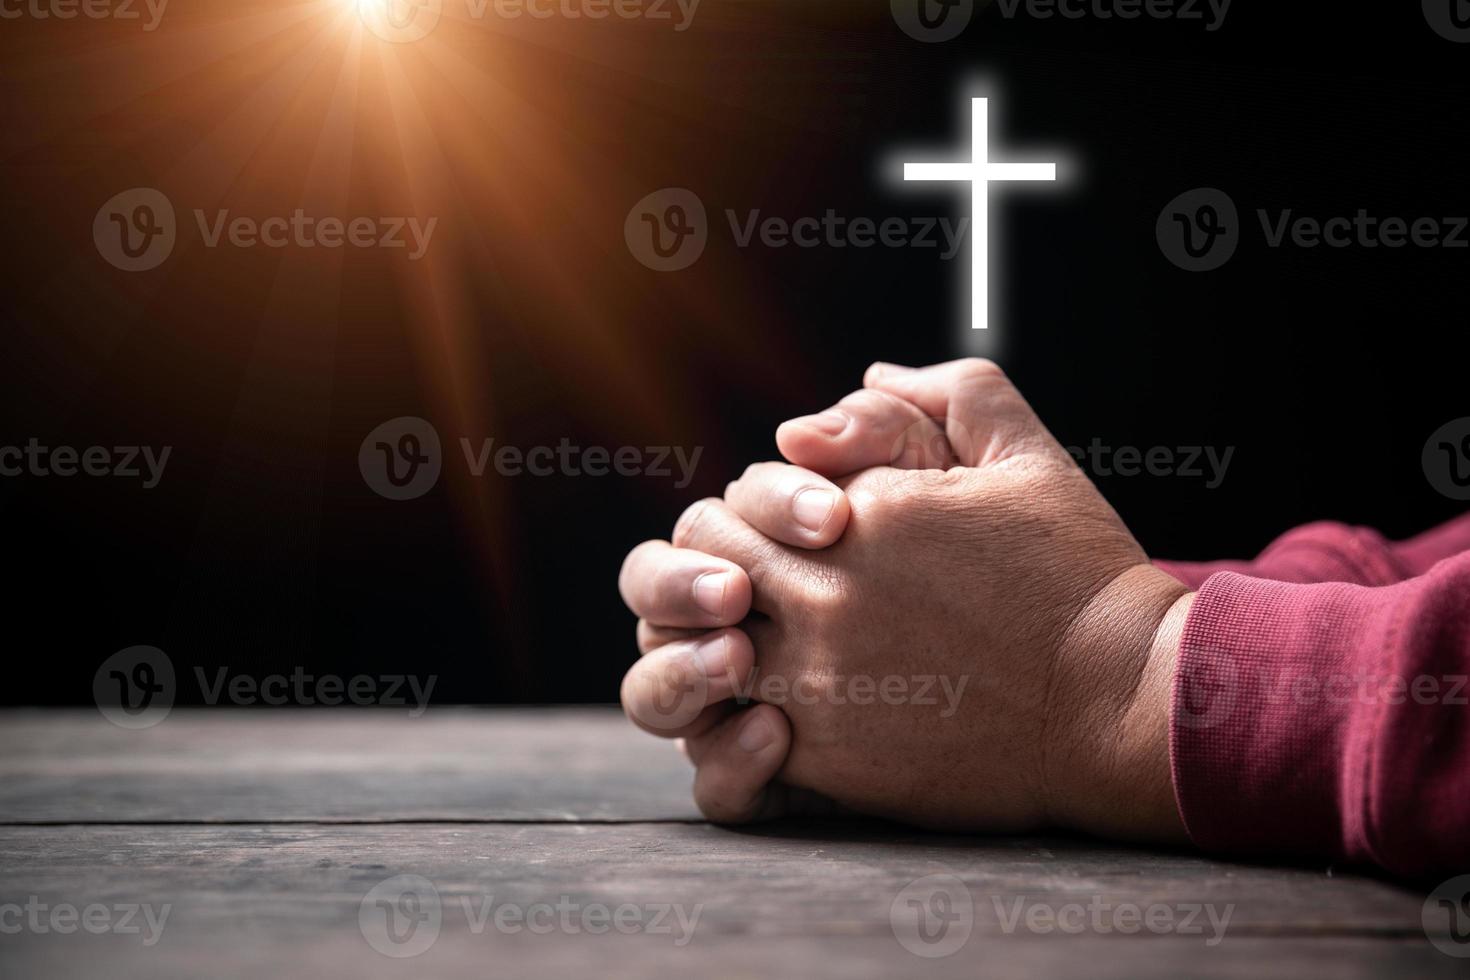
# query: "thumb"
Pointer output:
{"type": "Point", "coordinates": [867, 428]}
{"type": "Point", "coordinates": [986, 419]}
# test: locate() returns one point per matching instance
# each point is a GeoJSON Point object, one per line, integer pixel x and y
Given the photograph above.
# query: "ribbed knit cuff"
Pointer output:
{"type": "Point", "coordinates": [1268, 742]}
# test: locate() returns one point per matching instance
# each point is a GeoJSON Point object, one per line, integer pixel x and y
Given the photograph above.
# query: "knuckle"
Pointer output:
{"type": "Point", "coordinates": [884, 495]}
{"type": "Point", "coordinates": [980, 368]}
{"type": "Point", "coordinates": [870, 403]}
{"type": "Point", "coordinates": [631, 690]}
{"type": "Point", "coordinates": [923, 444]}
{"type": "Point", "coordinates": [764, 494]}
{"type": "Point", "coordinates": [932, 485]}
{"type": "Point", "coordinates": [898, 503]}
{"type": "Point", "coordinates": [690, 520]}
{"type": "Point", "coordinates": [825, 598]}
{"type": "Point", "coordinates": [888, 402]}
{"type": "Point", "coordinates": [754, 471]}
{"type": "Point", "coordinates": [633, 568]}
{"type": "Point", "coordinates": [663, 692]}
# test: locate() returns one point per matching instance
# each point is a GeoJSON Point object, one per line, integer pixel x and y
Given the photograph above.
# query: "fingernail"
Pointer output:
{"type": "Point", "coordinates": [712, 655]}
{"type": "Point", "coordinates": [756, 734]}
{"type": "Point", "coordinates": [829, 423]}
{"type": "Point", "coordinates": [813, 507]}
{"type": "Point", "coordinates": [709, 592]}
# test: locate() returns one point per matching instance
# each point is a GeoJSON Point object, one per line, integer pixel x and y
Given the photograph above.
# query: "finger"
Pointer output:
{"type": "Point", "coordinates": [669, 692]}
{"type": "Point", "coordinates": [681, 588]}
{"type": "Point", "coordinates": [782, 799]}
{"type": "Point", "coordinates": [757, 628]}
{"type": "Point", "coordinates": [886, 368]}
{"type": "Point", "coordinates": [651, 637]}
{"type": "Point", "coordinates": [789, 504]}
{"type": "Point", "coordinates": [985, 417]}
{"type": "Point", "coordinates": [708, 717]}
{"type": "Point", "coordinates": [737, 762]}
{"type": "Point", "coordinates": [867, 428]}
{"type": "Point", "coordinates": [712, 527]}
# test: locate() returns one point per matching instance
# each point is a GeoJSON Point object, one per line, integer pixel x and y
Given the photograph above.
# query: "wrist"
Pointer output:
{"type": "Point", "coordinates": [1108, 711]}
{"type": "Point", "coordinates": [1144, 734]}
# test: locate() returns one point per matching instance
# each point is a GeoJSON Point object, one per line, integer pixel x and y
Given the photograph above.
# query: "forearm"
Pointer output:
{"type": "Point", "coordinates": [1327, 720]}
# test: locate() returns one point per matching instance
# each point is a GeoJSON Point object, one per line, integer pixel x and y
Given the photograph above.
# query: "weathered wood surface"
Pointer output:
{"type": "Point", "coordinates": [256, 898]}
{"type": "Point", "coordinates": [369, 764]}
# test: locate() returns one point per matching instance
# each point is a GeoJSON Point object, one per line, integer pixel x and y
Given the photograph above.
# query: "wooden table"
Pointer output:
{"type": "Point", "coordinates": [269, 837]}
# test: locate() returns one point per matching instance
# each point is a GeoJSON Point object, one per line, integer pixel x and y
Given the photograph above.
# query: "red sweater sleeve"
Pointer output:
{"type": "Point", "coordinates": [1332, 552]}
{"type": "Point", "coordinates": [1328, 720]}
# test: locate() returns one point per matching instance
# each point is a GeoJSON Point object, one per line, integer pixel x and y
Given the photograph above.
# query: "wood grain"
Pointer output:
{"type": "Point", "coordinates": [559, 814]}
{"type": "Point", "coordinates": [349, 765]}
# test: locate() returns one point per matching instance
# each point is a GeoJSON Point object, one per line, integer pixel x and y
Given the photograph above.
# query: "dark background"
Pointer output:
{"type": "Point", "coordinates": [1326, 369]}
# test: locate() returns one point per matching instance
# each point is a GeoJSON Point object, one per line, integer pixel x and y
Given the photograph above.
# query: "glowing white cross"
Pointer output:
{"type": "Point", "coordinates": [980, 172]}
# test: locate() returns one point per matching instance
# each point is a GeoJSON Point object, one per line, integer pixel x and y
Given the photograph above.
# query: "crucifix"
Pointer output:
{"type": "Point", "coordinates": [980, 171]}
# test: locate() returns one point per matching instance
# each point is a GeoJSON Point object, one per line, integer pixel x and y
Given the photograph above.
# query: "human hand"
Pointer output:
{"type": "Point", "coordinates": [696, 670]}
{"type": "Point", "coordinates": [1062, 630]}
